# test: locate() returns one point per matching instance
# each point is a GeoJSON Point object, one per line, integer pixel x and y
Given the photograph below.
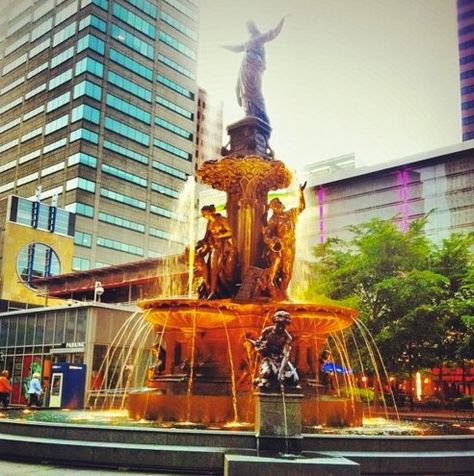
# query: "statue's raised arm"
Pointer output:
{"type": "Point", "coordinates": [249, 82]}
{"type": "Point", "coordinates": [273, 33]}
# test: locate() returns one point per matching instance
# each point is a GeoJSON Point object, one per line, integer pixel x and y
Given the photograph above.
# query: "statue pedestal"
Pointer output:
{"type": "Point", "coordinates": [249, 136]}
{"type": "Point", "coordinates": [278, 422]}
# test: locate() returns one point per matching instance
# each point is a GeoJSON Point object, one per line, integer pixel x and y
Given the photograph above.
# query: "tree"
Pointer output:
{"type": "Point", "coordinates": [415, 298]}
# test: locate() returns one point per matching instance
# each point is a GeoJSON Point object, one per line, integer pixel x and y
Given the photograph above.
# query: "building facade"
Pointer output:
{"type": "Point", "coordinates": [36, 242]}
{"type": "Point", "coordinates": [34, 340]}
{"type": "Point", "coordinates": [97, 105]}
{"type": "Point", "coordinates": [465, 11]}
{"type": "Point", "coordinates": [209, 128]}
{"type": "Point", "coordinates": [437, 184]}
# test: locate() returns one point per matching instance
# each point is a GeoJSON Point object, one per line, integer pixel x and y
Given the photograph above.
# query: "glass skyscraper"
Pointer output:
{"type": "Point", "coordinates": [97, 106]}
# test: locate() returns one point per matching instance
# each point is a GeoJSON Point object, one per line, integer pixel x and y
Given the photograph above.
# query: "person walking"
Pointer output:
{"type": "Point", "coordinates": [5, 388]}
{"type": "Point", "coordinates": [34, 391]}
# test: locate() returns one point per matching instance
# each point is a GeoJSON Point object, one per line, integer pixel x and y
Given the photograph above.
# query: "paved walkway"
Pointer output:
{"type": "Point", "coordinates": [13, 468]}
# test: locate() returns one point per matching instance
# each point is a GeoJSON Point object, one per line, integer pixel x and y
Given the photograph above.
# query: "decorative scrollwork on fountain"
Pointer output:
{"type": "Point", "coordinates": [234, 175]}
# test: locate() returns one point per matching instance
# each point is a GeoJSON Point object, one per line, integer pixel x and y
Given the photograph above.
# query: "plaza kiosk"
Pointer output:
{"type": "Point", "coordinates": [67, 385]}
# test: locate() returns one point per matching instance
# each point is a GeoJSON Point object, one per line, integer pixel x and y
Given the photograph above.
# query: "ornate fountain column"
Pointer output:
{"type": "Point", "coordinates": [247, 172]}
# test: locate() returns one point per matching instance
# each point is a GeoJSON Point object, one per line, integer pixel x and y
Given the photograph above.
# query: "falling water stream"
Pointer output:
{"type": "Point", "coordinates": [191, 368]}
{"type": "Point", "coordinates": [232, 372]}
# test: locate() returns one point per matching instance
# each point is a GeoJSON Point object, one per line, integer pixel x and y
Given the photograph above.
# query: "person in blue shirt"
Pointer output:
{"type": "Point", "coordinates": [34, 391]}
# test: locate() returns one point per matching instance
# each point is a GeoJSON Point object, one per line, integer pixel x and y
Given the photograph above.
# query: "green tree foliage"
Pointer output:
{"type": "Point", "coordinates": [415, 298]}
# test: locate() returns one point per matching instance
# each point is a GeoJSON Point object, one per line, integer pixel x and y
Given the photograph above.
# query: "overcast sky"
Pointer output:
{"type": "Point", "coordinates": [378, 78]}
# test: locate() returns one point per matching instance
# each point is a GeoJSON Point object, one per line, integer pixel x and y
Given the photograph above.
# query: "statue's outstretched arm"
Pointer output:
{"type": "Point", "coordinates": [302, 201]}
{"type": "Point", "coordinates": [272, 34]}
{"type": "Point", "coordinates": [234, 48]}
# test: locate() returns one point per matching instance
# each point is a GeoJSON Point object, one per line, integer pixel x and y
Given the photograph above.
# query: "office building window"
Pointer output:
{"type": "Point", "coordinates": [58, 102]}
{"type": "Point", "coordinates": [54, 145]}
{"type": "Point", "coordinates": [124, 151]}
{"type": "Point", "coordinates": [65, 12]}
{"type": "Point", "coordinates": [37, 260]}
{"type": "Point", "coordinates": [10, 125]}
{"type": "Point", "coordinates": [11, 104]}
{"type": "Point", "coordinates": [92, 42]}
{"type": "Point", "coordinates": [130, 64]}
{"type": "Point", "coordinates": [60, 79]}
{"type": "Point", "coordinates": [83, 239]}
{"type": "Point", "coordinates": [156, 232]}
{"type": "Point", "coordinates": [177, 25]}
{"type": "Point", "coordinates": [126, 131]}
{"type": "Point", "coordinates": [94, 21]}
{"type": "Point", "coordinates": [58, 123]}
{"type": "Point", "coordinates": [34, 112]}
{"type": "Point", "coordinates": [39, 48]}
{"type": "Point", "coordinates": [14, 64]}
{"type": "Point", "coordinates": [86, 112]}
{"type": "Point", "coordinates": [121, 222]}
{"type": "Point", "coordinates": [174, 107]}
{"type": "Point", "coordinates": [34, 92]}
{"type": "Point", "coordinates": [167, 169]}
{"type": "Point", "coordinates": [31, 134]}
{"type": "Point", "coordinates": [16, 45]}
{"type": "Point", "coordinates": [64, 34]}
{"type": "Point", "coordinates": [129, 86]}
{"type": "Point", "coordinates": [182, 154]}
{"type": "Point", "coordinates": [89, 65]}
{"type": "Point", "coordinates": [169, 126]}
{"type": "Point", "coordinates": [8, 145]}
{"type": "Point", "coordinates": [41, 29]}
{"type": "Point", "coordinates": [122, 174]}
{"type": "Point", "coordinates": [129, 109]}
{"type": "Point", "coordinates": [161, 211]}
{"type": "Point", "coordinates": [145, 7]}
{"type": "Point", "coordinates": [82, 158]}
{"type": "Point", "coordinates": [87, 88]}
{"type": "Point", "coordinates": [52, 169]}
{"type": "Point", "coordinates": [121, 198]}
{"type": "Point", "coordinates": [62, 57]}
{"type": "Point", "coordinates": [133, 42]}
{"type": "Point", "coordinates": [84, 134]}
{"type": "Point", "coordinates": [80, 264]}
{"type": "Point", "coordinates": [175, 86]}
{"type": "Point", "coordinates": [37, 70]}
{"type": "Point", "coordinates": [175, 66]}
{"type": "Point", "coordinates": [181, 7]}
{"type": "Point", "coordinates": [119, 246]}
{"type": "Point", "coordinates": [170, 192]}
{"type": "Point", "coordinates": [177, 45]}
{"type": "Point", "coordinates": [80, 209]}
{"type": "Point", "coordinates": [80, 183]}
{"type": "Point", "coordinates": [104, 4]}
{"type": "Point", "coordinates": [27, 157]}
{"type": "Point", "coordinates": [12, 85]}
{"type": "Point", "coordinates": [133, 20]}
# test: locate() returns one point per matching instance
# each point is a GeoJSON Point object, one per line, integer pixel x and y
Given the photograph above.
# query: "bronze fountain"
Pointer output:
{"type": "Point", "coordinates": [208, 349]}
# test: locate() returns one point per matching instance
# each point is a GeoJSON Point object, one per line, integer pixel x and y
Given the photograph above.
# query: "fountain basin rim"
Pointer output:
{"type": "Point", "coordinates": [298, 310]}
{"type": "Point", "coordinates": [186, 312]}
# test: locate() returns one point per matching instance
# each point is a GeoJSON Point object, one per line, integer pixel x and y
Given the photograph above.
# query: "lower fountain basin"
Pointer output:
{"type": "Point", "coordinates": [155, 405]}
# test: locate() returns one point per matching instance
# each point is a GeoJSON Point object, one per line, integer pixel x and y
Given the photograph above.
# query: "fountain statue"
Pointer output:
{"type": "Point", "coordinates": [249, 82]}
{"type": "Point", "coordinates": [212, 348]}
{"type": "Point", "coordinates": [274, 346]}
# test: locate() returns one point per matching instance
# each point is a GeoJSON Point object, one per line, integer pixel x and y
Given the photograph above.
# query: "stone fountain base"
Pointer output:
{"type": "Point", "coordinates": [211, 410]}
